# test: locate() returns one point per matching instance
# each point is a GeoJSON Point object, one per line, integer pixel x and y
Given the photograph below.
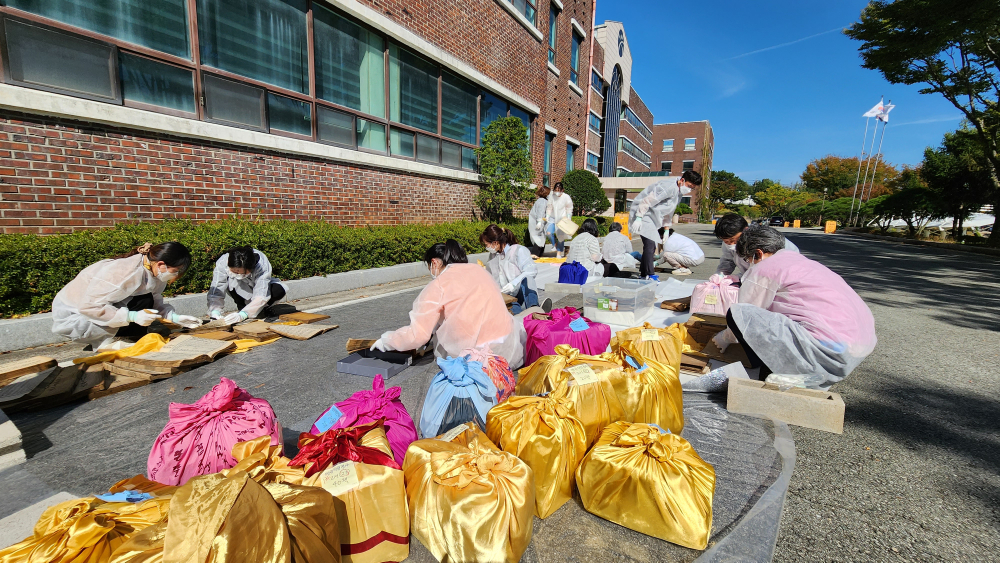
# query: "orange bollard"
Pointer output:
{"type": "Point", "coordinates": [831, 227]}
{"type": "Point", "coordinates": [797, 223]}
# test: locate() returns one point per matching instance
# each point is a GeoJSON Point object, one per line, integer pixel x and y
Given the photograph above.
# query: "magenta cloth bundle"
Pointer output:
{"type": "Point", "coordinates": [715, 296]}
{"type": "Point", "coordinates": [368, 406]}
{"type": "Point", "coordinates": [199, 438]}
{"type": "Point", "coordinates": [545, 335]}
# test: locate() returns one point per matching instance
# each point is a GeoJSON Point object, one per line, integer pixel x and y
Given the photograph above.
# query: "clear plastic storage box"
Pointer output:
{"type": "Point", "coordinates": [619, 301]}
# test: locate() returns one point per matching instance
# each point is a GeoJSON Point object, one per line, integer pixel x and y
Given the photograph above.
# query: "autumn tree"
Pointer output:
{"type": "Point", "coordinates": [837, 176]}
{"type": "Point", "coordinates": [775, 199]}
{"type": "Point", "coordinates": [726, 187]}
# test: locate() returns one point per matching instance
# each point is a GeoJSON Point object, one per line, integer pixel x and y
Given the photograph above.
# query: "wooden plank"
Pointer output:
{"type": "Point", "coordinates": [304, 318]}
{"type": "Point", "coordinates": [185, 350]}
{"type": "Point", "coordinates": [301, 332]}
{"type": "Point", "coordinates": [680, 305]}
{"type": "Point", "coordinates": [35, 364]}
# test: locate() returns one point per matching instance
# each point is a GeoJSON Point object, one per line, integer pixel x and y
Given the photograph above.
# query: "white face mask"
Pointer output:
{"type": "Point", "coordinates": [167, 277]}
{"type": "Point", "coordinates": [237, 276]}
{"type": "Point", "coordinates": [491, 250]}
{"type": "Point", "coordinates": [730, 247]}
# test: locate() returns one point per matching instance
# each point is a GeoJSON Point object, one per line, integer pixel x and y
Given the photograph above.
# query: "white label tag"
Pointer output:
{"type": "Point", "coordinates": [583, 374]}
{"type": "Point", "coordinates": [454, 432]}
{"type": "Point", "coordinates": [340, 478]}
{"type": "Point", "coordinates": [711, 299]}
{"type": "Point", "coordinates": [649, 334]}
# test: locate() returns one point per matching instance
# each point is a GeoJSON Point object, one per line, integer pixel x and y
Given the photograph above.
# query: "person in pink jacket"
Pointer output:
{"type": "Point", "coordinates": [461, 308]}
{"type": "Point", "coordinates": [795, 316]}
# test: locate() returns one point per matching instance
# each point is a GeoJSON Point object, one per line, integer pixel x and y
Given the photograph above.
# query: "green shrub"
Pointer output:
{"type": "Point", "coordinates": [585, 189]}
{"type": "Point", "coordinates": [505, 165]}
{"type": "Point", "coordinates": [683, 209]}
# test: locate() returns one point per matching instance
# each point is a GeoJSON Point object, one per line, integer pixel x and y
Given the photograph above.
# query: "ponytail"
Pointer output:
{"type": "Point", "coordinates": [494, 233]}
{"type": "Point", "coordinates": [448, 252]}
{"type": "Point", "coordinates": [173, 254]}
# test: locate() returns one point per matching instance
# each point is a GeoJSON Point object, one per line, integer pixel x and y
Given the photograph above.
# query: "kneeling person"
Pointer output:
{"type": "Point", "coordinates": [244, 273]}
{"type": "Point", "coordinates": [681, 253]}
{"type": "Point", "coordinates": [728, 229]}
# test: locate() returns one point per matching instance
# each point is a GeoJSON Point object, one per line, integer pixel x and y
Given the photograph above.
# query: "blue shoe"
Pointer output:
{"type": "Point", "coordinates": [653, 277]}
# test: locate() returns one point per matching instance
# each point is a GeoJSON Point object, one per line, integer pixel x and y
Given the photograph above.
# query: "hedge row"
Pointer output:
{"type": "Point", "coordinates": [34, 268]}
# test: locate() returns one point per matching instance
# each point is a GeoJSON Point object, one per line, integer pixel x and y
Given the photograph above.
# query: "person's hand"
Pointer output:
{"type": "Point", "coordinates": [723, 339]}
{"type": "Point", "coordinates": [215, 314]}
{"type": "Point", "coordinates": [186, 321]}
{"type": "Point", "coordinates": [508, 289]}
{"type": "Point", "coordinates": [381, 346]}
{"type": "Point", "coordinates": [233, 318]}
{"type": "Point", "coordinates": [143, 317]}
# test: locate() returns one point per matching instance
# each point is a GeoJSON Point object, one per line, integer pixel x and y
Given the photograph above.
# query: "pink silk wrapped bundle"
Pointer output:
{"type": "Point", "coordinates": [498, 370]}
{"type": "Point", "coordinates": [199, 438]}
{"type": "Point", "coordinates": [715, 296]}
{"type": "Point", "coordinates": [545, 335]}
{"type": "Point", "coordinates": [369, 406]}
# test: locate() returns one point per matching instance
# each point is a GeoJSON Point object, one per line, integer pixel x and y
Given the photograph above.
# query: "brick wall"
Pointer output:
{"type": "Point", "coordinates": [58, 176]}
{"type": "Point", "coordinates": [701, 131]}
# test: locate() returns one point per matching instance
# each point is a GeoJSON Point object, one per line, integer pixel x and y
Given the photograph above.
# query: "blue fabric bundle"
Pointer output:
{"type": "Point", "coordinates": [461, 392]}
{"type": "Point", "coordinates": [573, 272]}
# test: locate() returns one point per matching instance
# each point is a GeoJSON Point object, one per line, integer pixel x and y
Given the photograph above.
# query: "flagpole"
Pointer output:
{"type": "Point", "coordinates": [867, 165]}
{"type": "Point", "coordinates": [879, 156]}
{"type": "Point", "coordinates": [864, 141]}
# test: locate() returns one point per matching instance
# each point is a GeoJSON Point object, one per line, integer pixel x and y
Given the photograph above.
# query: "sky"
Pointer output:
{"type": "Point", "coordinates": [779, 82]}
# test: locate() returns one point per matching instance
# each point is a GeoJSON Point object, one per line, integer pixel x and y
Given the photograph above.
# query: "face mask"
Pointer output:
{"type": "Point", "coordinates": [491, 250]}
{"type": "Point", "coordinates": [166, 277]}
{"type": "Point", "coordinates": [237, 276]}
{"type": "Point", "coordinates": [730, 247]}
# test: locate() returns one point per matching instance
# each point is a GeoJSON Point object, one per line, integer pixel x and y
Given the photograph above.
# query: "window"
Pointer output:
{"type": "Point", "coordinates": [451, 154]}
{"type": "Point", "coordinates": [370, 135]}
{"type": "Point", "coordinates": [570, 156]}
{"type": "Point", "coordinates": [468, 158]}
{"type": "Point", "coordinates": [261, 39]}
{"type": "Point", "coordinates": [552, 34]}
{"type": "Point", "coordinates": [666, 165]}
{"type": "Point", "coordinates": [592, 162]}
{"type": "Point", "coordinates": [547, 159]}
{"type": "Point", "coordinates": [413, 90]}
{"type": "Point", "coordinates": [458, 109]}
{"type": "Point", "coordinates": [526, 7]}
{"type": "Point", "coordinates": [595, 122]}
{"type": "Point", "coordinates": [146, 82]}
{"type": "Point", "coordinates": [689, 144]}
{"type": "Point", "coordinates": [401, 143]}
{"type": "Point", "coordinates": [574, 59]}
{"type": "Point", "coordinates": [668, 145]}
{"type": "Point", "coordinates": [337, 127]}
{"type": "Point", "coordinates": [688, 165]}
{"type": "Point", "coordinates": [43, 58]}
{"type": "Point", "coordinates": [634, 121]}
{"type": "Point", "coordinates": [428, 148]}
{"type": "Point", "coordinates": [350, 63]}
{"type": "Point", "coordinates": [596, 82]}
{"type": "Point", "coordinates": [525, 119]}
{"type": "Point", "coordinates": [159, 24]}
{"type": "Point", "coordinates": [628, 147]}
{"type": "Point", "coordinates": [290, 115]}
{"type": "Point", "coordinates": [234, 103]}
{"type": "Point", "coordinates": [490, 109]}
{"type": "Point", "coordinates": [686, 200]}
{"type": "Point", "coordinates": [621, 171]}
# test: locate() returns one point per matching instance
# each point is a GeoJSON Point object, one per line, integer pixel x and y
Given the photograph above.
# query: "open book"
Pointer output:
{"type": "Point", "coordinates": [185, 350]}
{"type": "Point", "coordinates": [301, 332]}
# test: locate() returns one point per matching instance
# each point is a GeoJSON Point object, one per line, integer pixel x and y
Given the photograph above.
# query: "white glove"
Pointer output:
{"type": "Point", "coordinates": [186, 321]}
{"type": "Point", "coordinates": [379, 345]}
{"type": "Point", "coordinates": [143, 318]}
{"type": "Point", "coordinates": [233, 318]}
{"type": "Point", "coordinates": [724, 339]}
{"type": "Point", "coordinates": [215, 314]}
{"type": "Point", "coordinates": [508, 289]}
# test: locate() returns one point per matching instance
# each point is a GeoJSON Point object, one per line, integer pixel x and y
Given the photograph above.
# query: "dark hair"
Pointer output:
{"type": "Point", "coordinates": [759, 237]}
{"type": "Point", "coordinates": [616, 226]}
{"type": "Point", "coordinates": [448, 252]}
{"type": "Point", "coordinates": [558, 186]}
{"type": "Point", "coordinates": [173, 254]}
{"type": "Point", "coordinates": [493, 233]}
{"type": "Point", "coordinates": [671, 231]}
{"type": "Point", "coordinates": [589, 226]}
{"type": "Point", "coordinates": [729, 225]}
{"type": "Point", "coordinates": [692, 176]}
{"type": "Point", "coordinates": [243, 257]}
{"type": "Point", "coordinates": [542, 191]}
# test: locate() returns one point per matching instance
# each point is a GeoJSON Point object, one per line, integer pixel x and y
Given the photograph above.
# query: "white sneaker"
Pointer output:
{"type": "Point", "coordinates": [114, 343]}
{"type": "Point", "coordinates": [681, 272]}
{"type": "Point", "coordinates": [559, 254]}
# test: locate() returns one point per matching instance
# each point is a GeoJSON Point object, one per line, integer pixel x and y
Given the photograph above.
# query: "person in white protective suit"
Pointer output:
{"type": "Point", "coordinates": [244, 273]}
{"type": "Point", "coordinates": [534, 235]}
{"type": "Point", "coordinates": [728, 229]}
{"type": "Point", "coordinates": [795, 316]}
{"type": "Point", "coordinates": [560, 206]}
{"type": "Point", "coordinates": [681, 253]}
{"type": "Point", "coordinates": [586, 249]}
{"type": "Point", "coordinates": [652, 211]}
{"type": "Point", "coordinates": [461, 309]}
{"type": "Point", "coordinates": [511, 266]}
{"type": "Point", "coordinates": [617, 253]}
{"type": "Point", "coordinates": [111, 303]}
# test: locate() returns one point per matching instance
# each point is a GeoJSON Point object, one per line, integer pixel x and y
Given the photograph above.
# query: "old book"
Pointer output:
{"type": "Point", "coordinates": [45, 389]}
{"type": "Point", "coordinates": [216, 335]}
{"type": "Point", "coordinates": [257, 330]}
{"type": "Point", "coordinates": [127, 363]}
{"type": "Point", "coordinates": [509, 299]}
{"type": "Point", "coordinates": [115, 369]}
{"type": "Point", "coordinates": [680, 305]}
{"type": "Point", "coordinates": [301, 332]}
{"type": "Point", "coordinates": [304, 318]}
{"type": "Point", "coordinates": [708, 322]}
{"type": "Point", "coordinates": [184, 351]}
{"type": "Point", "coordinates": [355, 344]}
{"type": "Point", "coordinates": [211, 326]}
{"type": "Point", "coordinates": [115, 384]}
{"type": "Point", "coordinates": [734, 353]}
{"type": "Point", "coordinates": [12, 370]}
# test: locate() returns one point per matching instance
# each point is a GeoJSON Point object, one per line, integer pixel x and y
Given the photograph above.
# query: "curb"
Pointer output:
{"type": "Point", "coordinates": [36, 330]}
{"type": "Point", "coordinates": [932, 244]}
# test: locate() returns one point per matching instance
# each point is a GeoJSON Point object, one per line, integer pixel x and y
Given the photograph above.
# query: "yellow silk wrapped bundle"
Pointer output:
{"type": "Point", "coordinates": [664, 346]}
{"type": "Point", "coordinates": [650, 482]}
{"type": "Point", "coordinates": [546, 434]}
{"type": "Point", "coordinates": [469, 501]}
{"type": "Point", "coordinates": [595, 404]}
{"type": "Point", "coordinates": [652, 393]}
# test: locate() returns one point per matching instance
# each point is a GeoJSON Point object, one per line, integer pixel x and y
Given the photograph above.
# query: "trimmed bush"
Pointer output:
{"type": "Point", "coordinates": [585, 189]}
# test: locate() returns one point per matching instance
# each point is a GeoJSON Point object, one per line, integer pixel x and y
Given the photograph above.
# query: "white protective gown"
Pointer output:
{"type": "Point", "coordinates": [92, 307]}
{"type": "Point", "coordinates": [255, 288]}
{"type": "Point", "coordinates": [617, 250]}
{"type": "Point", "coordinates": [731, 263]}
{"type": "Point", "coordinates": [654, 207]}
{"type": "Point", "coordinates": [512, 266]}
{"type": "Point", "coordinates": [558, 208]}
{"type": "Point", "coordinates": [536, 222]}
{"type": "Point", "coordinates": [586, 250]}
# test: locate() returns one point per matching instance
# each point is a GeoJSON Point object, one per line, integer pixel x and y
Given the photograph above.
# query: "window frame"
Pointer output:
{"type": "Point", "coordinates": [553, 29]}
{"type": "Point", "coordinates": [665, 149]}
{"type": "Point", "coordinates": [694, 144]}
{"type": "Point", "coordinates": [669, 166]}
{"type": "Point", "coordinates": [547, 158]}
{"type": "Point", "coordinates": [161, 109]}
{"type": "Point", "coordinates": [576, 43]}
{"type": "Point", "coordinates": [597, 162]}
{"type": "Point", "coordinates": [684, 164]}
{"type": "Point", "coordinates": [571, 160]}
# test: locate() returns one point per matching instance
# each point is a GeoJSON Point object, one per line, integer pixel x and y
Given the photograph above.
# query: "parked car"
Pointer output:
{"type": "Point", "coordinates": [777, 221]}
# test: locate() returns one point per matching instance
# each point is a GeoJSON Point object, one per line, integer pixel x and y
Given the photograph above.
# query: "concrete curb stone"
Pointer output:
{"type": "Point", "coordinates": [941, 245]}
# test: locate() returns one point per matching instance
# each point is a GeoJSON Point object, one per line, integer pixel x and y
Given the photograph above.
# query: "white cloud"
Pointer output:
{"type": "Point", "coordinates": [938, 119]}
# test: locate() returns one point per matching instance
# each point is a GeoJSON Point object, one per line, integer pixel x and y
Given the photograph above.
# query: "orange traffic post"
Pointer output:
{"type": "Point", "coordinates": [831, 227]}
{"type": "Point", "coordinates": [797, 223]}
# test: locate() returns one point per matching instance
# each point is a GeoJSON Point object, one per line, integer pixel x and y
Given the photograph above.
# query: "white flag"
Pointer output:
{"type": "Point", "coordinates": [875, 110]}
{"type": "Point", "coordinates": [883, 115]}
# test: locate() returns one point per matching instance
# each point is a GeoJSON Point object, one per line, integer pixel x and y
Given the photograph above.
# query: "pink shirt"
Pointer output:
{"type": "Point", "coordinates": [814, 296]}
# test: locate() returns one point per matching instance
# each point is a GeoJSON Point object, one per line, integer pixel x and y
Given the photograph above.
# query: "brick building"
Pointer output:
{"type": "Point", "coordinates": [349, 111]}
{"type": "Point", "coordinates": [685, 146]}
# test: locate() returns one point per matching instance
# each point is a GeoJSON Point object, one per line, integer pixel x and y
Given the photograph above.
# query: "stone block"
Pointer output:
{"type": "Point", "coordinates": [821, 410]}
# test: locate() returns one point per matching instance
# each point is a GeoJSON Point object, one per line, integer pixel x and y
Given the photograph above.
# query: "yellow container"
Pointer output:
{"type": "Point", "coordinates": [831, 227]}
{"type": "Point", "coordinates": [622, 218]}
{"type": "Point", "coordinates": [797, 224]}
{"type": "Point", "coordinates": [786, 224]}
{"type": "Point", "coordinates": [713, 221]}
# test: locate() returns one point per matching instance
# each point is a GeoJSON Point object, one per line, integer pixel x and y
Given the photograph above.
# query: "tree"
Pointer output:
{"type": "Point", "coordinates": [836, 210]}
{"type": "Point", "coordinates": [956, 175]}
{"type": "Point", "coordinates": [876, 209]}
{"type": "Point", "coordinates": [505, 166]}
{"type": "Point", "coordinates": [585, 189]}
{"type": "Point", "coordinates": [726, 187]}
{"type": "Point", "coordinates": [836, 177]}
{"type": "Point", "coordinates": [916, 206]}
{"type": "Point", "coordinates": [776, 199]}
{"type": "Point", "coordinates": [953, 49]}
{"type": "Point", "coordinates": [684, 209]}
